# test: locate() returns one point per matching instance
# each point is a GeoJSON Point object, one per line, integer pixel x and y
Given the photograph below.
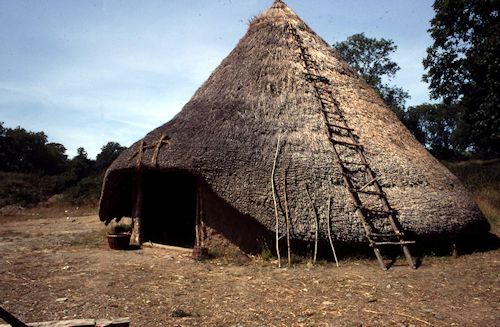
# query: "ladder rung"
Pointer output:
{"type": "Point", "coordinates": [326, 100]}
{"type": "Point", "coordinates": [317, 78]}
{"type": "Point", "coordinates": [339, 126]}
{"type": "Point", "coordinates": [356, 145]}
{"type": "Point", "coordinates": [322, 89]}
{"type": "Point", "coordinates": [402, 242]}
{"type": "Point", "coordinates": [352, 163]}
{"type": "Point", "coordinates": [337, 132]}
{"type": "Point", "coordinates": [378, 210]}
{"type": "Point", "coordinates": [332, 113]}
{"type": "Point", "coordinates": [395, 234]}
{"type": "Point", "coordinates": [366, 192]}
{"type": "Point", "coordinates": [368, 184]}
{"type": "Point", "coordinates": [325, 96]}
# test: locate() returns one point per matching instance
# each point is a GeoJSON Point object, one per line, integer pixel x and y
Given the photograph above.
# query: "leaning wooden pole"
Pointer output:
{"type": "Point", "coordinates": [275, 202]}
{"type": "Point", "coordinates": [330, 232]}
{"type": "Point", "coordinates": [316, 227]}
{"type": "Point", "coordinates": [287, 220]}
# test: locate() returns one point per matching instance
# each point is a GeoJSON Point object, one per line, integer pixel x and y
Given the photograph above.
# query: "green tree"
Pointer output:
{"type": "Point", "coordinates": [81, 165]}
{"type": "Point", "coordinates": [26, 151]}
{"type": "Point", "coordinates": [109, 153]}
{"type": "Point", "coordinates": [370, 57]}
{"type": "Point", "coordinates": [434, 125]}
{"type": "Point", "coordinates": [463, 67]}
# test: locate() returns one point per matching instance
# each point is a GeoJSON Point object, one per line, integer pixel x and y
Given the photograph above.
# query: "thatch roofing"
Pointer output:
{"type": "Point", "coordinates": [227, 135]}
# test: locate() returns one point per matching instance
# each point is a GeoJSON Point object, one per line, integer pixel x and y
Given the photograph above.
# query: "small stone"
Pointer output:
{"type": "Point", "coordinates": [439, 317]}
{"type": "Point", "coordinates": [388, 286]}
{"type": "Point", "coordinates": [301, 319]}
{"type": "Point", "coordinates": [62, 299]}
{"type": "Point", "coordinates": [168, 257]}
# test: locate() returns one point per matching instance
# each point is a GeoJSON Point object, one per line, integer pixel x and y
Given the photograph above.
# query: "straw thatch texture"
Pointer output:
{"type": "Point", "coordinates": [227, 134]}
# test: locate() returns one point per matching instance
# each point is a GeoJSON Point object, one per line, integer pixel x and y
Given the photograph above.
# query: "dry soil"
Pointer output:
{"type": "Point", "coordinates": [61, 268]}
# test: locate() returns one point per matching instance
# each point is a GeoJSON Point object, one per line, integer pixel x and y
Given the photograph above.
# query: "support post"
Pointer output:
{"type": "Point", "coordinates": [199, 217]}
{"type": "Point", "coordinates": [200, 252]}
{"type": "Point", "coordinates": [137, 216]}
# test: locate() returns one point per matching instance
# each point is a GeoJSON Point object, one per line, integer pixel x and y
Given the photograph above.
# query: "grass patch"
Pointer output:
{"type": "Point", "coordinates": [90, 239]}
{"type": "Point", "coordinates": [482, 179]}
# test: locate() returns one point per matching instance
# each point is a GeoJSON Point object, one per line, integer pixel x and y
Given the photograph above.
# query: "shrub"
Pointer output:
{"type": "Point", "coordinates": [86, 191]}
{"type": "Point", "coordinates": [20, 188]}
{"type": "Point", "coordinates": [482, 179]}
{"type": "Point", "coordinates": [120, 228]}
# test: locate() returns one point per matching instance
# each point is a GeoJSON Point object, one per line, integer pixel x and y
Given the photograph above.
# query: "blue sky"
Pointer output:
{"type": "Point", "coordinates": [88, 72]}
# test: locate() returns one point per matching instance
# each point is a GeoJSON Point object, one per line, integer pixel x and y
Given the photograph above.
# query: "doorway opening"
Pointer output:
{"type": "Point", "coordinates": [169, 208]}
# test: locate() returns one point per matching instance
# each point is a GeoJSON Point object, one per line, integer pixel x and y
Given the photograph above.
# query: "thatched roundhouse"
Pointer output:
{"type": "Point", "coordinates": [259, 118]}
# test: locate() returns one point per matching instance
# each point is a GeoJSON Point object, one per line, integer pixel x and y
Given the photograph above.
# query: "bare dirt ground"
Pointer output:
{"type": "Point", "coordinates": [61, 268]}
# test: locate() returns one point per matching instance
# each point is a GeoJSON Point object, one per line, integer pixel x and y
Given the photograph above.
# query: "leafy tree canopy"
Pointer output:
{"type": "Point", "coordinates": [463, 67]}
{"type": "Point", "coordinates": [434, 126]}
{"type": "Point", "coordinates": [32, 169]}
{"type": "Point", "coordinates": [22, 150]}
{"type": "Point", "coordinates": [109, 153]}
{"type": "Point", "coordinates": [370, 57]}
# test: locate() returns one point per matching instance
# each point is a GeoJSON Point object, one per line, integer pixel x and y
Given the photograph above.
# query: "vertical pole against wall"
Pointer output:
{"type": "Point", "coordinates": [199, 215]}
{"type": "Point", "coordinates": [138, 230]}
{"type": "Point", "coordinates": [200, 252]}
{"type": "Point", "coordinates": [198, 219]}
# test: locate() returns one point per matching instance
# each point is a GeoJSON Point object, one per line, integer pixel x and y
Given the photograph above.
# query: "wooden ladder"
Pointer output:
{"type": "Point", "coordinates": [378, 219]}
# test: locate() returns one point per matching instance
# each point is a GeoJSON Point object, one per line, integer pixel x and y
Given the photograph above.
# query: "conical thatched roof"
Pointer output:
{"type": "Point", "coordinates": [227, 135]}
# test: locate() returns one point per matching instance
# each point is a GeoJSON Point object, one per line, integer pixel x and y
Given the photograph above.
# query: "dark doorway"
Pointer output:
{"type": "Point", "coordinates": [169, 208]}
